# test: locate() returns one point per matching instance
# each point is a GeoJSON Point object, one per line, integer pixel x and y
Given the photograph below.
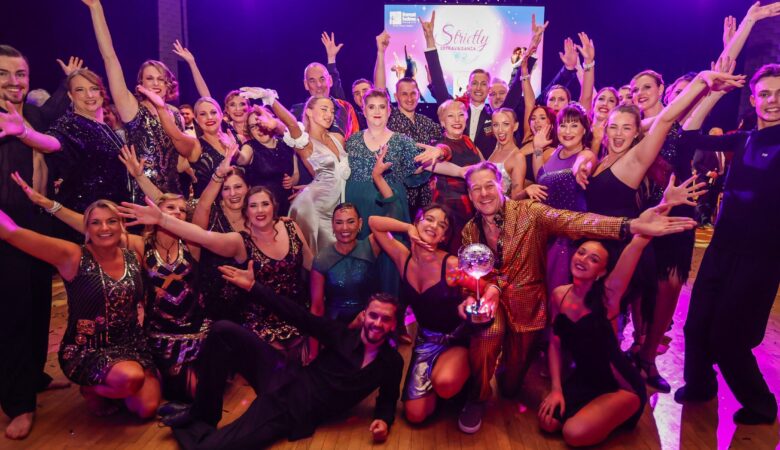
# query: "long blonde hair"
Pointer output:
{"type": "Point", "coordinates": [103, 204]}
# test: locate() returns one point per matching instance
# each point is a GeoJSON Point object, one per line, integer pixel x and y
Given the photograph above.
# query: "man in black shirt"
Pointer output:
{"type": "Point", "coordinates": [740, 273]}
{"type": "Point", "coordinates": [292, 402]}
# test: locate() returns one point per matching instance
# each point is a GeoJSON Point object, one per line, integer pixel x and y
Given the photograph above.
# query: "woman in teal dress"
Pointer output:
{"type": "Point", "coordinates": [344, 274]}
{"type": "Point", "coordinates": [404, 158]}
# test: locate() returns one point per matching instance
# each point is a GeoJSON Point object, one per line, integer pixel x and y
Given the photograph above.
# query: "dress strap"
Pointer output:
{"type": "Point", "coordinates": [406, 266]}
{"type": "Point", "coordinates": [560, 307]}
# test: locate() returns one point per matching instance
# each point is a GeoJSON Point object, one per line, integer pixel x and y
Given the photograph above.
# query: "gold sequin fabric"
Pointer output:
{"type": "Point", "coordinates": [527, 226]}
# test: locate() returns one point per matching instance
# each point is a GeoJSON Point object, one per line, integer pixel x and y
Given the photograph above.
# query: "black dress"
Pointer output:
{"type": "Point", "coordinates": [609, 196]}
{"type": "Point", "coordinates": [173, 317]}
{"type": "Point", "coordinates": [268, 167]}
{"type": "Point", "coordinates": [204, 167]}
{"type": "Point", "coordinates": [88, 162]}
{"type": "Point", "coordinates": [595, 350]}
{"type": "Point", "coordinates": [103, 327]}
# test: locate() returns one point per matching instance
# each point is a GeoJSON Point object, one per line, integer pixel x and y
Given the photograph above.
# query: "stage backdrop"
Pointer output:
{"type": "Point", "coordinates": [467, 37]}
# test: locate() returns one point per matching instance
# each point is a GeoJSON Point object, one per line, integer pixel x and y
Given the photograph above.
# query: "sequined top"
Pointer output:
{"type": "Point", "coordinates": [152, 143]}
{"type": "Point", "coordinates": [281, 275]}
{"type": "Point", "coordinates": [672, 159]}
{"type": "Point", "coordinates": [563, 192]}
{"type": "Point", "coordinates": [173, 303]}
{"type": "Point", "coordinates": [204, 167]}
{"type": "Point", "coordinates": [349, 279]}
{"type": "Point", "coordinates": [88, 162]}
{"type": "Point", "coordinates": [526, 227]}
{"type": "Point", "coordinates": [423, 130]}
{"type": "Point", "coordinates": [101, 310]}
{"type": "Point", "coordinates": [401, 152]}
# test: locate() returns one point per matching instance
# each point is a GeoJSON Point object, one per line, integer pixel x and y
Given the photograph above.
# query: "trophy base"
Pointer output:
{"type": "Point", "coordinates": [476, 317]}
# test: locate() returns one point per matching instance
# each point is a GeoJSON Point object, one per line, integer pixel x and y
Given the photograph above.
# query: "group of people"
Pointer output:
{"type": "Point", "coordinates": [286, 245]}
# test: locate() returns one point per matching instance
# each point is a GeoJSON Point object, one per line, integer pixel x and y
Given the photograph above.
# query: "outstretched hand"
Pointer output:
{"type": "Point", "coordinates": [542, 138]}
{"type": "Point", "coordinates": [243, 278]}
{"type": "Point", "coordinates": [74, 63]}
{"type": "Point", "coordinates": [429, 155]}
{"type": "Point", "coordinates": [141, 215]}
{"type": "Point", "coordinates": [684, 194]}
{"type": "Point", "coordinates": [183, 52]}
{"type": "Point", "coordinates": [331, 48]}
{"type": "Point", "coordinates": [428, 29]}
{"type": "Point", "coordinates": [380, 166]}
{"type": "Point", "coordinates": [383, 41]}
{"type": "Point", "coordinates": [536, 36]}
{"type": "Point", "coordinates": [729, 29]}
{"type": "Point", "coordinates": [569, 54]}
{"type": "Point", "coordinates": [653, 222]}
{"type": "Point", "coordinates": [583, 174]}
{"type": "Point", "coordinates": [153, 97]}
{"type": "Point", "coordinates": [11, 122]}
{"type": "Point", "coordinates": [758, 12]}
{"type": "Point", "coordinates": [722, 82]}
{"type": "Point", "coordinates": [586, 48]}
{"type": "Point", "coordinates": [128, 157]}
{"type": "Point", "coordinates": [31, 193]}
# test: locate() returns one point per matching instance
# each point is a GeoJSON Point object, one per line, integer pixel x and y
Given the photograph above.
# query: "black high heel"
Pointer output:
{"type": "Point", "coordinates": [653, 378]}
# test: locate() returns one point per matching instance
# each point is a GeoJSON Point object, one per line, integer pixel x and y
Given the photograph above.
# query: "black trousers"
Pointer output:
{"type": "Point", "coordinates": [25, 313]}
{"type": "Point", "coordinates": [730, 305]}
{"type": "Point", "coordinates": [232, 348]}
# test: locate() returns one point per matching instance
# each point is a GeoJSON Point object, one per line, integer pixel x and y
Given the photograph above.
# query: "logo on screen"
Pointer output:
{"type": "Point", "coordinates": [396, 18]}
{"type": "Point", "coordinates": [402, 19]}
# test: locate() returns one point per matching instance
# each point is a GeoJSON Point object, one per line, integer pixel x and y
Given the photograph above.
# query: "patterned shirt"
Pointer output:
{"type": "Point", "coordinates": [422, 131]}
{"type": "Point", "coordinates": [522, 249]}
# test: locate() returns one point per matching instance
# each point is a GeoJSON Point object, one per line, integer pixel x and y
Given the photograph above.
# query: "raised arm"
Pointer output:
{"type": "Point", "coordinates": [202, 213]}
{"type": "Point", "coordinates": [517, 86]}
{"type": "Point", "coordinates": [645, 152]}
{"type": "Point", "coordinates": [382, 229]}
{"type": "Point", "coordinates": [63, 255]}
{"type": "Point", "coordinates": [700, 112]}
{"type": "Point", "coordinates": [125, 101]}
{"type": "Point", "coordinates": [68, 216]}
{"type": "Point", "coordinates": [380, 75]}
{"type": "Point", "coordinates": [588, 52]}
{"type": "Point", "coordinates": [189, 58]}
{"type": "Point", "coordinates": [754, 14]}
{"type": "Point", "coordinates": [12, 124]}
{"type": "Point", "coordinates": [332, 49]}
{"type": "Point", "coordinates": [136, 170]}
{"type": "Point", "coordinates": [439, 86]}
{"type": "Point", "coordinates": [229, 245]}
{"type": "Point", "coordinates": [187, 146]}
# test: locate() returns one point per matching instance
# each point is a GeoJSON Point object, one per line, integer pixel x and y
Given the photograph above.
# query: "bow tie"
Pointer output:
{"type": "Point", "coordinates": [189, 127]}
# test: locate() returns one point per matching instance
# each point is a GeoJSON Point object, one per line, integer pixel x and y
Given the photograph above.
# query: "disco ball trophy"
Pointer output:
{"type": "Point", "coordinates": [477, 260]}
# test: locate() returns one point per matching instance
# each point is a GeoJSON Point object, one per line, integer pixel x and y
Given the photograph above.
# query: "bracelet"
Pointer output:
{"type": "Point", "coordinates": [538, 152]}
{"type": "Point", "coordinates": [525, 77]}
{"type": "Point", "coordinates": [217, 179]}
{"type": "Point", "coordinates": [25, 131]}
{"type": "Point", "coordinates": [54, 208]}
{"type": "Point", "coordinates": [586, 67]}
{"type": "Point", "coordinates": [446, 153]}
{"type": "Point", "coordinates": [625, 228]}
{"type": "Point", "coordinates": [296, 143]}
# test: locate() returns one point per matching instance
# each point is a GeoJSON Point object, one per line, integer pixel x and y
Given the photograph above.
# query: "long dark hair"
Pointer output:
{"type": "Point", "coordinates": [245, 209]}
{"type": "Point", "coordinates": [594, 299]}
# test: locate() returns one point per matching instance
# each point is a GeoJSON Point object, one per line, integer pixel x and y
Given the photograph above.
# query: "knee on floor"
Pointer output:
{"type": "Point", "coordinates": [578, 434]}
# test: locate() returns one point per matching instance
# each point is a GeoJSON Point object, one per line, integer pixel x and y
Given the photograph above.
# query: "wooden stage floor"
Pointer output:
{"type": "Point", "coordinates": [63, 423]}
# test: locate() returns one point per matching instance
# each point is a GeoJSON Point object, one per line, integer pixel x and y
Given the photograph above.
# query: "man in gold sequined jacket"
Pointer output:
{"type": "Point", "coordinates": [517, 232]}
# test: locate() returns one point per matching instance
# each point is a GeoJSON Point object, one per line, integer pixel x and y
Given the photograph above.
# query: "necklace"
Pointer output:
{"type": "Point", "coordinates": [107, 320]}
{"type": "Point", "coordinates": [167, 250]}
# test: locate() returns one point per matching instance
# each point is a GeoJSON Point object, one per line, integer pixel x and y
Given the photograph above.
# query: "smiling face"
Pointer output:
{"type": "Point", "coordinates": [432, 226]}
{"type": "Point", "coordinates": [208, 116]}
{"type": "Point", "coordinates": [104, 228]}
{"type": "Point", "coordinates": [589, 261]}
{"type": "Point", "coordinates": [604, 103]}
{"type": "Point", "coordinates": [377, 111]}
{"type": "Point", "coordinates": [87, 97]}
{"type": "Point", "coordinates": [556, 99]}
{"type": "Point", "coordinates": [358, 91]}
{"type": "Point", "coordinates": [237, 108]}
{"type": "Point", "coordinates": [675, 90]}
{"type": "Point", "coordinates": [625, 95]}
{"type": "Point", "coordinates": [766, 100]}
{"type": "Point", "coordinates": [346, 225]}
{"type": "Point", "coordinates": [260, 210]}
{"type": "Point", "coordinates": [14, 79]}
{"type": "Point", "coordinates": [570, 134]}
{"type": "Point", "coordinates": [646, 92]}
{"type": "Point", "coordinates": [485, 192]}
{"type": "Point", "coordinates": [478, 87]}
{"type": "Point", "coordinates": [154, 80]}
{"type": "Point", "coordinates": [497, 94]}
{"type": "Point", "coordinates": [408, 96]}
{"type": "Point", "coordinates": [317, 80]}
{"type": "Point", "coordinates": [453, 118]}
{"type": "Point", "coordinates": [258, 129]}
{"type": "Point", "coordinates": [504, 127]}
{"type": "Point", "coordinates": [379, 321]}
{"type": "Point", "coordinates": [321, 112]}
{"type": "Point", "coordinates": [622, 129]}
{"type": "Point", "coordinates": [234, 190]}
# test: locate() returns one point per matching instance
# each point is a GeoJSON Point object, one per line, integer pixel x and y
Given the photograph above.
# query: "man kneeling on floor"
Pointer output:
{"type": "Point", "coordinates": [292, 402]}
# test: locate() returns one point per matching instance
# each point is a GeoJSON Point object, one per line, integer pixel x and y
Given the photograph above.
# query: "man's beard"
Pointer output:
{"type": "Point", "coordinates": [367, 329]}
